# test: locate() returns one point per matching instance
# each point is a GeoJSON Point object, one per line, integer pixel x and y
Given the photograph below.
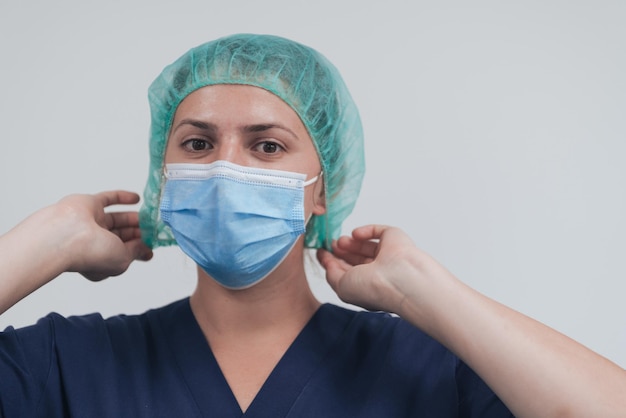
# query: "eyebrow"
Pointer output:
{"type": "Point", "coordinates": [261, 127]}
{"type": "Point", "coordinates": [196, 123]}
{"type": "Point", "coordinates": [258, 127]}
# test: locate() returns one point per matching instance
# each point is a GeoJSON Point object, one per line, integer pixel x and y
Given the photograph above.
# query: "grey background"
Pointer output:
{"type": "Point", "coordinates": [494, 136]}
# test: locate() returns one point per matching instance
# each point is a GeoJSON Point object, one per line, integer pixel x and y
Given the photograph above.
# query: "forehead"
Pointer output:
{"type": "Point", "coordinates": [235, 102]}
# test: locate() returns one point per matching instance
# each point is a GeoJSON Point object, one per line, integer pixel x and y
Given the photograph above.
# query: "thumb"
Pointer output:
{"type": "Point", "coordinates": [138, 250]}
{"type": "Point", "coordinates": [333, 266]}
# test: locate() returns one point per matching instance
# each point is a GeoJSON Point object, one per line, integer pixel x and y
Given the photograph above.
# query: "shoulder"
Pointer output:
{"type": "Point", "coordinates": [80, 332]}
{"type": "Point", "coordinates": [391, 336]}
{"type": "Point", "coordinates": [80, 363]}
{"type": "Point", "coordinates": [90, 344]}
{"type": "Point", "coordinates": [379, 326]}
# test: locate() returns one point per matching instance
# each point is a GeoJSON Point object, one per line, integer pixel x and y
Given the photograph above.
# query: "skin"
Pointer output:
{"type": "Point", "coordinates": [249, 330]}
{"type": "Point", "coordinates": [535, 370]}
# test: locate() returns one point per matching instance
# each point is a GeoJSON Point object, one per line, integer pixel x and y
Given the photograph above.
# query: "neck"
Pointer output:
{"type": "Point", "coordinates": [281, 303]}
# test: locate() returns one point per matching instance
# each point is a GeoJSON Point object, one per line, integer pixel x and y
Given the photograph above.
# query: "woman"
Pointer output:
{"type": "Point", "coordinates": [252, 138]}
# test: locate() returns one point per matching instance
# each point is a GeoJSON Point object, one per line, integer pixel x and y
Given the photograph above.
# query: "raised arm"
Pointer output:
{"type": "Point", "coordinates": [75, 234]}
{"type": "Point", "coordinates": [535, 370]}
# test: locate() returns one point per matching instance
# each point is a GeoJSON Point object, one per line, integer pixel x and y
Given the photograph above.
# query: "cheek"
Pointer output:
{"type": "Point", "coordinates": [311, 164]}
{"type": "Point", "coordinates": [170, 153]}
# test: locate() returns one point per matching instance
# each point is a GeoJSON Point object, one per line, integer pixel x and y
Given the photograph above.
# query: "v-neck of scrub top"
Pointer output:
{"type": "Point", "coordinates": [279, 392]}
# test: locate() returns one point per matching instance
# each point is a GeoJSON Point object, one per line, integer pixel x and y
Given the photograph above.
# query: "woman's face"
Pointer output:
{"type": "Point", "coordinates": [248, 126]}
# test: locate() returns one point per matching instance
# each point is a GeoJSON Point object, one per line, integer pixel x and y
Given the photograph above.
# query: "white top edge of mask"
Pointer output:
{"type": "Point", "coordinates": [188, 171]}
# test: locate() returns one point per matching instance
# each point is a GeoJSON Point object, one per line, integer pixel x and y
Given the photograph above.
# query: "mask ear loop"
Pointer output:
{"type": "Point", "coordinates": [313, 179]}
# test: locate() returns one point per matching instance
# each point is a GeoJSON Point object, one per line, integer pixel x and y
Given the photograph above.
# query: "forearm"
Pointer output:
{"type": "Point", "coordinates": [31, 254]}
{"type": "Point", "coordinates": [535, 370]}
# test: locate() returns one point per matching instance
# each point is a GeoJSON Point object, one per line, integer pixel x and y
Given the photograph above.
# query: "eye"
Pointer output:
{"type": "Point", "coordinates": [196, 144]}
{"type": "Point", "coordinates": [268, 147]}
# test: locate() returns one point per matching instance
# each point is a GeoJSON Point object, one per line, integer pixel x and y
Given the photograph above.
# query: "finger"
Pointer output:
{"type": "Point", "coordinates": [328, 259]}
{"type": "Point", "coordinates": [350, 257]}
{"type": "Point", "coordinates": [335, 268]}
{"type": "Point", "coordinates": [324, 257]}
{"type": "Point", "coordinates": [120, 220]}
{"type": "Point", "coordinates": [356, 246]}
{"type": "Point", "coordinates": [134, 250]}
{"type": "Point", "coordinates": [369, 232]}
{"type": "Point", "coordinates": [127, 234]}
{"type": "Point", "coordinates": [117, 197]}
{"type": "Point", "coordinates": [382, 232]}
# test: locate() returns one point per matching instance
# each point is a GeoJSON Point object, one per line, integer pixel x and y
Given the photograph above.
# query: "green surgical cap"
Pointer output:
{"type": "Point", "coordinates": [297, 74]}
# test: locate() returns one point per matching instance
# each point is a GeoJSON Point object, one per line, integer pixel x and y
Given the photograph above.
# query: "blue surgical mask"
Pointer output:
{"type": "Point", "coordinates": [237, 223]}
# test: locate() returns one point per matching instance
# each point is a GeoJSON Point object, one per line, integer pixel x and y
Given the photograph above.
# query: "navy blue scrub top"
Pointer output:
{"type": "Point", "coordinates": [159, 364]}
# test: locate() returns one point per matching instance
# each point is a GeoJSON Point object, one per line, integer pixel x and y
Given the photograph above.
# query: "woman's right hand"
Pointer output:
{"type": "Point", "coordinates": [75, 234]}
{"type": "Point", "coordinates": [102, 244]}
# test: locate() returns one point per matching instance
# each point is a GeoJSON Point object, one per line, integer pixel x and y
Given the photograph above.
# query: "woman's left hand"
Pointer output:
{"type": "Point", "coordinates": [371, 267]}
